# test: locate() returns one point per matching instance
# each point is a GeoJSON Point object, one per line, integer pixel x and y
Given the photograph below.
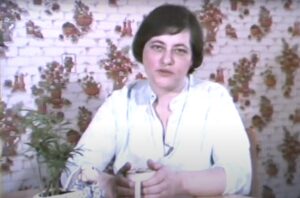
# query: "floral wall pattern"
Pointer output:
{"type": "Point", "coordinates": [65, 57]}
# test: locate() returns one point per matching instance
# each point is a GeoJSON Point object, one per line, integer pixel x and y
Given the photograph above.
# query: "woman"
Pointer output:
{"type": "Point", "coordinates": [189, 132]}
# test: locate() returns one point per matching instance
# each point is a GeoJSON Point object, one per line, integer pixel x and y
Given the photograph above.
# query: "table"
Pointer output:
{"type": "Point", "coordinates": [31, 192]}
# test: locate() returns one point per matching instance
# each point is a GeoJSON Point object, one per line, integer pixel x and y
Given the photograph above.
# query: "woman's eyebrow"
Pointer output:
{"type": "Point", "coordinates": [156, 41]}
{"type": "Point", "coordinates": [181, 45]}
{"type": "Point", "coordinates": [163, 43]}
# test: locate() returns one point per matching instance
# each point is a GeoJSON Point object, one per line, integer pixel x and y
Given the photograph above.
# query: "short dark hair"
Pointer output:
{"type": "Point", "coordinates": [170, 19]}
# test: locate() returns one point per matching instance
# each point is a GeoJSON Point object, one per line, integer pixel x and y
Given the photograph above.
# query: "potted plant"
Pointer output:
{"type": "Point", "coordinates": [48, 140]}
{"type": "Point", "coordinates": [90, 86]}
{"type": "Point", "coordinates": [118, 65]}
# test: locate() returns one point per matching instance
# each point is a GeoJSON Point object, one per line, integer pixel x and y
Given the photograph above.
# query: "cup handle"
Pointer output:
{"type": "Point", "coordinates": [137, 189]}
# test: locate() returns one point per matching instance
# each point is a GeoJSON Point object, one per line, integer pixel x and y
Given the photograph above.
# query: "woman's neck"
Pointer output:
{"type": "Point", "coordinates": [165, 95]}
{"type": "Point", "coordinates": [162, 103]}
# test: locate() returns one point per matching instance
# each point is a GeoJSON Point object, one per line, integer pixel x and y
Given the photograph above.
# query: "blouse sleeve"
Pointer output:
{"type": "Point", "coordinates": [230, 143]}
{"type": "Point", "coordinates": [97, 144]}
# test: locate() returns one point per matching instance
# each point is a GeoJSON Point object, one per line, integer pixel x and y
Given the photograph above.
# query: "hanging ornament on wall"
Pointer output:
{"type": "Point", "coordinates": [295, 117]}
{"type": "Point", "coordinates": [113, 2]}
{"type": "Point", "coordinates": [269, 78]}
{"type": "Point", "coordinates": [271, 168]}
{"type": "Point", "coordinates": [33, 30]}
{"type": "Point", "coordinates": [126, 29]}
{"type": "Point", "coordinates": [19, 83]}
{"type": "Point", "coordinates": [84, 118]}
{"type": "Point", "coordinates": [295, 30]}
{"type": "Point", "coordinates": [230, 31]}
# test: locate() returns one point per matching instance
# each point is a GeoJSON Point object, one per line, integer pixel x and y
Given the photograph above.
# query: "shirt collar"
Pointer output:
{"type": "Point", "coordinates": [179, 99]}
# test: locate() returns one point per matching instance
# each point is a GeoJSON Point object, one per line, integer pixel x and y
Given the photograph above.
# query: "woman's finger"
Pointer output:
{"type": "Point", "coordinates": [154, 165]}
{"type": "Point", "coordinates": [124, 182]}
{"type": "Point", "coordinates": [124, 169]}
{"type": "Point", "coordinates": [155, 189]}
{"type": "Point", "coordinates": [124, 192]}
{"type": "Point", "coordinates": [158, 178]}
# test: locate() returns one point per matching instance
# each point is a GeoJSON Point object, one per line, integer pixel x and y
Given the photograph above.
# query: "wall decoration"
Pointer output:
{"type": "Point", "coordinates": [230, 31]}
{"type": "Point", "coordinates": [83, 20]}
{"type": "Point", "coordinates": [10, 131]}
{"type": "Point", "coordinates": [70, 31]}
{"type": "Point", "coordinates": [50, 5]}
{"type": "Point", "coordinates": [295, 30]}
{"type": "Point", "coordinates": [267, 192]}
{"type": "Point", "coordinates": [241, 6]}
{"type": "Point", "coordinates": [265, 22]}
{"type": "Point", "coordinates": [126, 29]}
{"type": "Point", "coordinates": [19, 84]}
{"type": "Point", "coordinates": [10, 13]}
{"type": "Point", "coordinates": [3, 47]}
{"type": "Point", "coordinates": [90, 86]}
{"type": "Point", "coordinates": [69, 61]}
{"type": "Point", "coordinates": [113, 2]}
{"type": "Point", "coordinates": [287, 4]}
{"type": "Point", "coordinates": [73, 136]}
{"type": "Point", "coordinates": [84, 118]}
{"type": "Point", "coordinates": [239, 83]}
{"type": "Point", "coordinates": [256, 32]}
{"type": "Point", "coordinates": [83, 16]}
{"type": "Point", "coordinates": [34, 30]}
{"type": "Point", "coordinates": [53, 81]}
{"type": "Point", "coordinates": [289, 61]}
{"type": "Point", "coordinates": [118, 65]}
{"type": "Point", "coordinates": [290, 149]}
{"type": "Point", "coordinates": [37, 2]}
{"type": "Point", "coordinates": [266, 109]}
{"type": "Point", "coordinates": [218, 76]}
{"type": "Point", "coordinates": [269, 78]}
{"type": "Point", "coordinates": [265, 19]}
{"type": "Point", "coordinates": [211, 17]}
{"type": "Point", "coordinates": [257, 122]}
{"type": "Point", "coordinates": [271, 168]}
{"type": "Point", "coordinates": [295, 117]}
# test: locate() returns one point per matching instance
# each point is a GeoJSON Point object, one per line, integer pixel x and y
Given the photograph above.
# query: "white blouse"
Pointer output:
{"type": "Point", "coordinates": [204, 130]}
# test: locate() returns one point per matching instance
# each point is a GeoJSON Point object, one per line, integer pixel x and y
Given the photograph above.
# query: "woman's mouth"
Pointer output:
{"type": "Point", "coordinates": [165, 72]}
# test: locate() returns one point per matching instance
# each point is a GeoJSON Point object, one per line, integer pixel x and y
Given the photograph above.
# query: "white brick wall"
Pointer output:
{"type": "Point", "coordinates": [26, 54]}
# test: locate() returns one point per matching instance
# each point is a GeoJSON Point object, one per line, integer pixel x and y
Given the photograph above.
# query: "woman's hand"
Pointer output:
{"type": "Point", "coordinates": [91, 175]}
{"type": "Point", "coordinates": [165, 182]}
{"type": "Point", "coordinates": [124, 186]}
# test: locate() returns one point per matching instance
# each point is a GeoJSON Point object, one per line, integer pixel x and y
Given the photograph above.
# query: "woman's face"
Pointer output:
{"type": "Point", "coordinates": [167, 59]}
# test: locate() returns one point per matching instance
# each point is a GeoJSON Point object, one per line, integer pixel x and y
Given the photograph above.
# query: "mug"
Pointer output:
{"type": "Point", "coordinates": [138, 176]}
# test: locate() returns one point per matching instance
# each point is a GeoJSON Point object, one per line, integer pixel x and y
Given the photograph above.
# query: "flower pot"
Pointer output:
{"type": "Point", "coordinates": [92, 90]}
{"type": "Point", "coordinates": [270, 81]}
{"type": "Point", "coordinates": [37, 2]}
{"type": "Point", "coordinates": [56, 98]}
{"type": "Point", "coordinates": [84, 20]}
{"type": "Point", "coordinates": [72, 194]}
{"type": "Point", "coordinates": [69, 29]}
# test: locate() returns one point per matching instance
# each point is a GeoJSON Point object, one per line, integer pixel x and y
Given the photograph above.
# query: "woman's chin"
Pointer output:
{"type": "Point", "coordinates": [166, 85]}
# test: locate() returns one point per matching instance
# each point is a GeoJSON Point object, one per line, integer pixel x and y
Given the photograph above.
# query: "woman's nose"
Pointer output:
{"type": "Point", "coordinates": [167, 58]}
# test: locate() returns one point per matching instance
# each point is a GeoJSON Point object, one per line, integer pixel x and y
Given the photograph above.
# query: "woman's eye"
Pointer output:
{"type": "Point", "coordinates": [180, 51]}
{"type": "Point", "coordinates": [157, 48]}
